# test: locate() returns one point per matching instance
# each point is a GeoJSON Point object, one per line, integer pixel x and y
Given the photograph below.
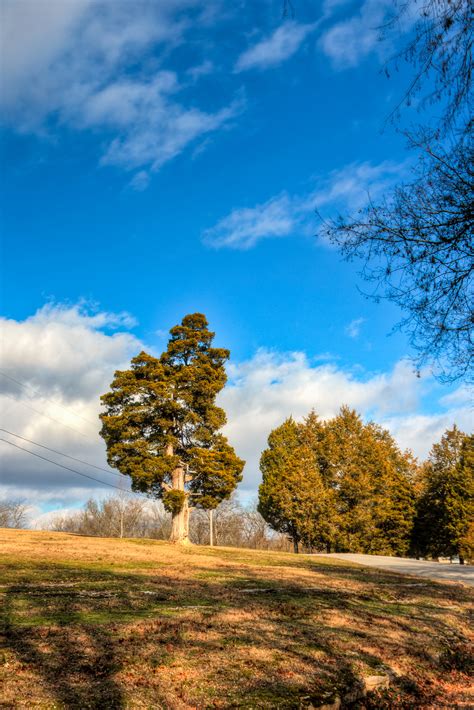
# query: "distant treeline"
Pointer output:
{"type": "Point", "coordinates": [122, 516]}
{"type": "Point", "coordinates": [345, 486]}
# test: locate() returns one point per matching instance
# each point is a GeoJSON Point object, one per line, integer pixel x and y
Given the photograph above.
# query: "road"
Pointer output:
{"type": "Point", "coordinates": [440, 572]}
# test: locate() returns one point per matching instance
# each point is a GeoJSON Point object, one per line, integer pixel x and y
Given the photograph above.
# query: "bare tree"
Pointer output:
{"type": "Point", "coordinates": [113, 517]}
{"type": "Point", "coordinates": [234, 525]}
{"type": "Point", "coordinates": [227, 524]}
{"type": "Point", "coordinates": [417, 244]}
{"type": "Point", "coordinates": [13, 514]}
{"type": "Point", "coordinates": [156, 521]}
{"type": "Point", "coordinates": [439, 47]}
{"type": "Point", "coordinates": [418, 251]}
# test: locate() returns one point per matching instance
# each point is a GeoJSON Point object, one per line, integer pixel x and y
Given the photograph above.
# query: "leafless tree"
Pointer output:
{"type": "Point", "coordinates": [234, 525]}
{"type": "Point", "coordinates": [416, 245]}
{"type": "Point", "coordinates": [13, 514]}
{"type": "Point", "coordinates": [156, 521]}
{"type": "Point", "coordinates": [417, 248]}
{"type": "Point", "coordinates": [113, 517]}
{"type": "Point", "coordinates": [439, 48]}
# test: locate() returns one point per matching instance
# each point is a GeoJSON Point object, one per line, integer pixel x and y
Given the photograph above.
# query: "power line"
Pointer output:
{"type": "Point", "coordinates": [79, 473]}
{"type": "Point", "coordinates": [42, 414]}
{"type": "Point", "coordinates": [56, 404]}
{"type": "Point", "coordinates": [60, 453]}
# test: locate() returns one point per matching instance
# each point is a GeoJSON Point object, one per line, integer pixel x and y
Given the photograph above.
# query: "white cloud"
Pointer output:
{"type": "Point", "coordinates": [140, 181]}
{"type": "Point", "coordinates": [96, 65]}
{"type": "Point", "coordinates": [272, 51]}
{"type": "Point", "coordinates": [353, 328]}
{"type": "Point", "coordinates": [346, 43]}
{"type": "Point", "coordinates": [33, 33]}
{"type": "Point", "coordinates": [162, 130]}
{"type": "Point", "coordinates": [244, 228]}
{"type": "Point", "coordinates": [285, 215]}
{"type": "Point", "coordinates": [66, 356]}
{"type": "Point", "coordinates": [348, 188]}
{"type": "Point", "coordinates": [268, 388]}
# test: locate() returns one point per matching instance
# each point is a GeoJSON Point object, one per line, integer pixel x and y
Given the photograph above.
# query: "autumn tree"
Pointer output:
{"type": "Point", "coordinates": [162, 426]}
{"type": "Point", "coordinates": [292, 496]}
{"type": "Point", "coordinates": [445, 508]}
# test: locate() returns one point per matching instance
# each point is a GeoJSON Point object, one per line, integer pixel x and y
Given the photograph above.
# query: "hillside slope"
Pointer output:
{"type": "Point", "coordinates": [107, 623]}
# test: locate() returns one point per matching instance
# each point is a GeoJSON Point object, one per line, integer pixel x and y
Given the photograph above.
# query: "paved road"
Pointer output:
{"type": "Point", "coordinates": [440, 572]}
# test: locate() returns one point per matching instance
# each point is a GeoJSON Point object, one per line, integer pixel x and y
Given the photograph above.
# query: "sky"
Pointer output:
{"type": "Point", "coordinates": [162, 158]}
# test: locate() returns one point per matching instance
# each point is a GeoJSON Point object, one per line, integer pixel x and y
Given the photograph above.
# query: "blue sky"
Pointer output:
{"type": "Point", "coordinates": [160, 158]}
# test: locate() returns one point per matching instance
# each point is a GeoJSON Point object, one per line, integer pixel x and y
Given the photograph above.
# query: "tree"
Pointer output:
{"type": "Point", "coordinates": [162, 427]}
{"type": "Point", "coordinates": [116, 516]}
{"type": "Point", "coordinates": [439, 48]}
{"type": "Point", "coordinates": [371, 478]}
{"type": "Point", "coordinates": [418, 251]}
{"type": "Point", "coordinates": [292, 496]}
{"type": "Point", "coordinates": [13, 514]}
{"type": "Point", "coordinates": [341, 485]}
{"type": "Point", "coordinates": [445, 509]}
{"type": "Point", "coordinates": [416, 245]}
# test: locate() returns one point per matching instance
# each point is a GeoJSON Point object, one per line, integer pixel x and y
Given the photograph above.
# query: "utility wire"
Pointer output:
{"type": "Point", "coordinates": [60, 453]}
{"type": "Point", "coordinates": [42, 414]}
{"type": "Point", "coordinates": [73, 470]}
{"type": "Point", "coordinates": [38, 394]}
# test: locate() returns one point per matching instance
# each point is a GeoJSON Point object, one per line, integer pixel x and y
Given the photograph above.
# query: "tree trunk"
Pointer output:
{"type": "Point", "coordinates": [296, 548]}
{"type": "Point", "coordinates": [180, 520]}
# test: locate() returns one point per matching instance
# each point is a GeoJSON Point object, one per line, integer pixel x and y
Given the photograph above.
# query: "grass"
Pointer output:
{"type": "Point", "coordinates": [106, 623]}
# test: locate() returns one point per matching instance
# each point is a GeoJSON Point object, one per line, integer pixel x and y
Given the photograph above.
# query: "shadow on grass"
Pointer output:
{"type": "Point", "coordinates": [75, 629]}
{"type": "Point", "coordinates": [73, 661]}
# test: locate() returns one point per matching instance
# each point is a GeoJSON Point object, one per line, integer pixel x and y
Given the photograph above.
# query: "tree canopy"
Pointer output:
{"type": "Point", "coordinates": [445, 508]}
{"type": "Point", "coordinates": [339, 485]}
{"type": "Point", "coordinates": [162, 426]}
{"type": "Point", "coordinates": [292, 496]}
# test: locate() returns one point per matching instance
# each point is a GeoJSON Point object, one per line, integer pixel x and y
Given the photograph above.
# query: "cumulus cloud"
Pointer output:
{"type": "Point", "coordinates": [271, 386]}
{"type": "Point", "coordinates": [274, 50]}
{"type": "Point", "coordinates": [284, 215]}
{"type": "Point", "coordinates": [54, 366]}
{"type": "Point", "coordinates": [75, 63]}
{"type": "Point", "coordinates": [64, 357]}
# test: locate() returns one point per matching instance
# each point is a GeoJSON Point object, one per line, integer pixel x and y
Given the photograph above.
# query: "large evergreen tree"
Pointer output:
{"type": "Point", "coordinates": [445, 508]}
{"type": "Point", "coordinates": [162, 426]}
{"type": "Point", "coordinates": [372, 481]}
{"type": "Point", "coordinates": [341, 485]}
{"type": "Point", "coordinates": [292, 496]}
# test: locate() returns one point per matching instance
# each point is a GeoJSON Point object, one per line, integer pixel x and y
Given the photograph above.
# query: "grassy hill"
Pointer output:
{"type": "Point", "coordinates": [107, 623]}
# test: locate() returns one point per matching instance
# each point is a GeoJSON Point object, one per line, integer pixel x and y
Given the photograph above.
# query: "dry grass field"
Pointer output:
{"type": "Point", "coordinates": [107, 623]}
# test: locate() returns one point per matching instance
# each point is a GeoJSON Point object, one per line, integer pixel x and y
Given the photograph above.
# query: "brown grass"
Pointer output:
{"type": "Point", "coordinates": [107, 623]}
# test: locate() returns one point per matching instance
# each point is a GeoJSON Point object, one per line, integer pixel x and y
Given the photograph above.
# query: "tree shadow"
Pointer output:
{"type": "Point", "coordinates": [74, 661]}
{"type": "Point", "coordinates": [68, 629]}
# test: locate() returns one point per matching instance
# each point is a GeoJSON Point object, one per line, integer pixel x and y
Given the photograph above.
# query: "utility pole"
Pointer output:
{"type": "Point", "coordinates": [211, 528]}
{"type": "Point", "coordinates": [121, 498]}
